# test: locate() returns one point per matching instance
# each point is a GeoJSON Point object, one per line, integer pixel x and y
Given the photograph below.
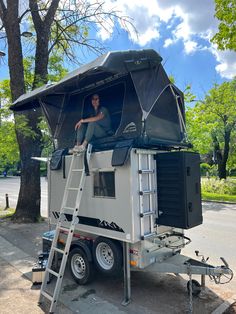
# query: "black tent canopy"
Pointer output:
{"type": "Point", "coordinates": [144, 105]}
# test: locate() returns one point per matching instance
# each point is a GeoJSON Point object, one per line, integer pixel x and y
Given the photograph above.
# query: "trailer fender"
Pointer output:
{"type": "Point", "coordinates": [85, 245]}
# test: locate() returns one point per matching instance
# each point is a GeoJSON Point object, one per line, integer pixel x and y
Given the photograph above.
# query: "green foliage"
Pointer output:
{"type": "Point", "coordinates": [206, 196]}
{"type": "Point", "coordinates": [198, 130]}
{"type": "Point", "coordinates": [6, 213]}
{"type": "Point", "coordinates": [9, 153]}
{"type": "Point", "coordinates": [188, 95]}
{"type": "Point", "coordinates": [213, 185]}
{"type": "Point", "coordinates": [209, 122]}
{"type": "Point", "coordinates": [207, 170]}
{"type": "Point", "coordinates": [46, 138]}
{"type": "Point", "coordinates": [55, 68]}
{"type": "Point", "coordinates": [28, 72]}
{"type": "Point", "coordinates": [225, 12]}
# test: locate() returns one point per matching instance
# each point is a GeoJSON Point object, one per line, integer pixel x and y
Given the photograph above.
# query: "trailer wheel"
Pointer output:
{"type": "Point", "coordinates": [80, 267]}
{"type": "Point", "coordinates": [196, 287]}
{"type": "Point", "coordinates": [107, 256]}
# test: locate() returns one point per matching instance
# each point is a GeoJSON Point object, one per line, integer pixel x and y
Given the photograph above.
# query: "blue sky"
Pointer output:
{"type": "Point", "coordinates": [180, 30]}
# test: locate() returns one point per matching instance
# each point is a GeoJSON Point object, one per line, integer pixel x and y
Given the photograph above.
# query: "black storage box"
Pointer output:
{"type": "Point", "coordinates": [47, 240]}
{"type": "Point", "coordinates": [178, 189]}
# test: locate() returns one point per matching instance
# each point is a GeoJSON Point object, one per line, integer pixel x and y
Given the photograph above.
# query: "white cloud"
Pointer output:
{"type": "Point", "coordinates": [188, 21]}
{"type": "Point", "coordinates": [168, 42]}
{"type": "Point", "coordinates": [190, 46]}
{"type": "Point", "coordinates": [227, 63]}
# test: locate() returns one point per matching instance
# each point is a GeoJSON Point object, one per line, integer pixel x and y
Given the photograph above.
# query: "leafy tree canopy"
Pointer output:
{"type": "Point", "coordinates": [225, 11]}
{"type": "Point", "coordinates": [9, 151]}
{"type": "Point", "coordinates": [212, 124]}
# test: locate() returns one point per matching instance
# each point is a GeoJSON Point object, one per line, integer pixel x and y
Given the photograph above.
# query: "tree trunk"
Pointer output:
{"type": "Point", "coordinates": [222, 166]}
{"type": "Point", "coordinates": [28, 205]}
{"type": "Point", "coordinates": [221, 158]}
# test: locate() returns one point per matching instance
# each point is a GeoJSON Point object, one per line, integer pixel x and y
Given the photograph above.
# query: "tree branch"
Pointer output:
{"type": "Point", "coordinates": [2, 10]}
{"type": "Point", "coordinates": [51, 12]}
{"type": "Point", "coordinates": [23, 14]}
{"type": "Point", "coordinates": [33, 5]}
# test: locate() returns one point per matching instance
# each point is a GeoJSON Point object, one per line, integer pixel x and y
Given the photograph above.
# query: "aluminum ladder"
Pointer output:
{"type": "Point", "coordinates": [147, 192]}
{"type": "Point", "coordinates": [53, 298]}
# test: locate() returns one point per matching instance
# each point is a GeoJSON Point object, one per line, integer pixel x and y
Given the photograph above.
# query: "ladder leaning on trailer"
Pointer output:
{"type": "Point", "coordinates": [53, 298]}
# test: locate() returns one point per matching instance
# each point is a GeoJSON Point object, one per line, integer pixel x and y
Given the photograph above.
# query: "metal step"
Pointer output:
{"type": "Point", "coordinates": [53, 272]}
{"type": "Point", "coordinates": [147, 192]}
{"type": "Point", "coordinates": [64, 229]}
{"type": "Point", "coordinates": [146, 214]}
{"type": "Point", "coordinates": [58, 250]}
{"type": "Point", "coordinates": [71, 209]}
{"type": "Point", "coordinates": [146, 171]}
{"type": "Point", "coordinates": [72, 189]}
{"type": "Point", "coordinates": [47, 295]}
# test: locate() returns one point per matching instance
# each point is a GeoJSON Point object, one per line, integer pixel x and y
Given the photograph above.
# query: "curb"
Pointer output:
{"type": "Point", "coordinates": [224, 306]}
{"type": "Point", "coordinates": [219, 202]}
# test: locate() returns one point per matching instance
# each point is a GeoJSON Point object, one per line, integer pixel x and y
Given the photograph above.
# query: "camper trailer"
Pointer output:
{"type": "Point", "coordinates": [129, 198]}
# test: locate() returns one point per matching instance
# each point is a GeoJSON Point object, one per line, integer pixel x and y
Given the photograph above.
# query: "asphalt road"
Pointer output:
{"type": "Point", "coordinates": [214, 238]}
{"type": "Point", "coordinates": [11, 186]}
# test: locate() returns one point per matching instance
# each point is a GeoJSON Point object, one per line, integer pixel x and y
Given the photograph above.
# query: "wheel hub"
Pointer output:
{"type": "Point", "coordinates": [104, 256]}
{"type": "Point", "coordinates": [78, 265]}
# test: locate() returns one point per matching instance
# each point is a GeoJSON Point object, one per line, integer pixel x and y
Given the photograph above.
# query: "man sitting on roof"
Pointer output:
{"type": "Point", "coordinates": [97, 126]}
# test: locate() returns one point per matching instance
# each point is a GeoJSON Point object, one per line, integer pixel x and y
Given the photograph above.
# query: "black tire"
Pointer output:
{"type": "Point", "coordinates": [196, 287]}
{"type": "Point", "coordinates": [80, 267]}
{"type": "Point", "coordinates": [107, 255]}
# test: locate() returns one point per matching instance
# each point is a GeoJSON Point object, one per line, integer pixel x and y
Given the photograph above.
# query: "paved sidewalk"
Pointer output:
{"type": "Point", "coordinates": [151, 293]}
{"type": "Point", "coordinates": [15, 291]}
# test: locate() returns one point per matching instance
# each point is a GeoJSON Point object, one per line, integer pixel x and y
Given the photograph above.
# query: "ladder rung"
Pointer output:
{"type": "Point", "coordinates": [77, 170]}
{"type": "Point", "coordinates": [72, 189]}
{"type": "Point", "coordinates": [146, 171]}
{"type": "Point", "coordinates": [68, 208]}
{"type": "Point", "coordinates": [64, 229]}
{"type": "Point", "coordinates": [148, 235]}
{"type": "Point", "coordinates": [47, 295]}
{"type": "Point", "coordinates": [145, 192]}
{"type": "Point", "coordinates": [52, 272]}
{"type": "Point", "coordinates": [58, 250]}
{"type": "Point", "coordinates": [147, 214]}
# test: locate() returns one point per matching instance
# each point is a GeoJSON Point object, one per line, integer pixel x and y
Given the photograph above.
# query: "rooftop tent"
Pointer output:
{"type": "Point", "coordinates": [143, 104]}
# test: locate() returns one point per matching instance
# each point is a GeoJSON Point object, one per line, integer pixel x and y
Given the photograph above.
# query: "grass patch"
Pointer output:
{"type": "Point", "coordinates": [6, 213]}
{"type": "Point", "coordinates": [206, 196]}
{"type": "Point", "coordinates": [216, 186]}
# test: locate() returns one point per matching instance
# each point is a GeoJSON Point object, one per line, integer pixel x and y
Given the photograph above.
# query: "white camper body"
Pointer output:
{"type": "Point", "coordinates": [112, 206]}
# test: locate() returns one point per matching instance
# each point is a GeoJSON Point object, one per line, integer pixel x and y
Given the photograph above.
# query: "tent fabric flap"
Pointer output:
{"type": "Point", "coordinates": [115, 62]}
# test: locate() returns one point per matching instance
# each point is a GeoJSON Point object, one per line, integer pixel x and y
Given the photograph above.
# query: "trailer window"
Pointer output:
{"type": "Point", "coordinates": [104, 184]}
